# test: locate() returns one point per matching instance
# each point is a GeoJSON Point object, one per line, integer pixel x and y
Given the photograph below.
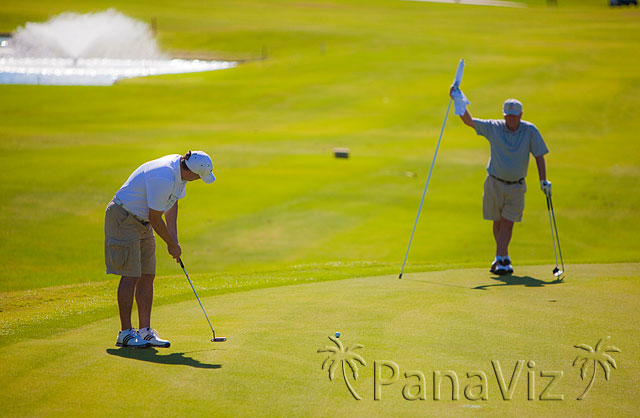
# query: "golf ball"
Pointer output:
{"type": "Point", "coordinates": [337, 335]}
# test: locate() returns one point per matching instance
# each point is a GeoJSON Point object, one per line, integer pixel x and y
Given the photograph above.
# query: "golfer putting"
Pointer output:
{"type": "Point", "coordinates": [512, 140]}
{"type": "Point", "coordinates": [132, 216]}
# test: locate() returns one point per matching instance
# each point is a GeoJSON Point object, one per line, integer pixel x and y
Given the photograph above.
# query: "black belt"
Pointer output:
{"type": "Point", "coordinates": [118, 202]}
{"type": "Point", "coordinates": [506, 181]}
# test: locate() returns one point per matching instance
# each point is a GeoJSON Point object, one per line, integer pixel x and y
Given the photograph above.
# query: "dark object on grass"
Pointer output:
{"type": "Point", "coordinates": [623, 2]}
{"type": "Point", "coordinates": [341, 152]}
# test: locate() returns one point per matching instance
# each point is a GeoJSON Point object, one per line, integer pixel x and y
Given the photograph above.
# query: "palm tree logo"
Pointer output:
{"type": "Point", "coordinates": [594, 357]}
{"type": "Point", "coordinates": [338, 356]}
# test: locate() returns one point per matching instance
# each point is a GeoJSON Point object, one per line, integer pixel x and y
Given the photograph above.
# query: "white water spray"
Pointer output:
{"type": "Point", "coordinates": [89, 49]}
{"type": "Point", "coordinates": [107, 34]}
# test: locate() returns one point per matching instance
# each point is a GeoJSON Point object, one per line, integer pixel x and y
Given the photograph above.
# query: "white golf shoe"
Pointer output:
{"type": "Point", "coordinates": [501, 267]}
{"type": "Point", "coordinates": [151, 336]}
{"type": "Point", "coordinates": [131, 338]}
{"type": "Point", "coordinates": [506, 263]}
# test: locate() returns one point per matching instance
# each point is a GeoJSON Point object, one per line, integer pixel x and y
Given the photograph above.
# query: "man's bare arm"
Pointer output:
{"type": "Point", "coordinates": [542, 167]}
{"type": "Point", "coordinates": [467, 119]}
{"type": "Point", "coordinates": [171, 216]}
{"type": "Point", "coordinates": [155, 217]}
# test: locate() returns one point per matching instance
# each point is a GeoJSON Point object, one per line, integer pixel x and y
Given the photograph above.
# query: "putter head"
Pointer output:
{"type": "Point", "coordinates": [218, 339]}
{"type": "Point", "coordinates": [558, 273]}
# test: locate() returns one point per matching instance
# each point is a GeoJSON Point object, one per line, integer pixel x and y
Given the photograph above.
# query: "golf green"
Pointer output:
{"type": "Point", "coordinates": [447, 322]}
{"type": "Point", "coordinates": [291, 245]}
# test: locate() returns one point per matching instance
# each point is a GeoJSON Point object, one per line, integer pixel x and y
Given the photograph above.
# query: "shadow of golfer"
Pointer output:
{"type": "Point", "coordinates": [513, 280]}
{"type": "Point", "coordinates": [151, 355]}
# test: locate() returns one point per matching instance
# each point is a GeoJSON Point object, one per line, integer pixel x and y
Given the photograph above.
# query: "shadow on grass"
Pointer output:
{"type": "Point", "coordinates": [404, 279]}
{"type": "Point", "coordinates": [151, 355]}
{"type": "Point", "coordinates": [513, 280]}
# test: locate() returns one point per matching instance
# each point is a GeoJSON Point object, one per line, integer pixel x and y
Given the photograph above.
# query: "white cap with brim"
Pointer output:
{"type": "Point", "coordinates": [200, 163]}
{"type": "Point", "coordinates": [512, 107]}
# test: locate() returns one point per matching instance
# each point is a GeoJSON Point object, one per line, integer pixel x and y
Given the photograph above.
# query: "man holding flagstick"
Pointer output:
{"type": "Point", "coordinates": [511, 141]}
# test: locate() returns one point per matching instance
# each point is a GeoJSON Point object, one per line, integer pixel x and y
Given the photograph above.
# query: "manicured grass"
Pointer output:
{"type": "Point", "coordinates": [458, 320]}
{"type": "Point", "coordinates": [43, 312]}
{"type": "Point", "coordinates": [371, 76]}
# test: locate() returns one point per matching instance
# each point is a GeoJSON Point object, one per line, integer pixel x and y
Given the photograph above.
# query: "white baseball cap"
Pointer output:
{"type": "Point", "coordinates": [512, 107]}
{"type": "Point", "coordinates": [200, 163]}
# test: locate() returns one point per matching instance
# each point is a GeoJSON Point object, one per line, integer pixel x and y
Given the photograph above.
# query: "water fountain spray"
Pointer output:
{"type": "Point", "coordinates": [89, 49]}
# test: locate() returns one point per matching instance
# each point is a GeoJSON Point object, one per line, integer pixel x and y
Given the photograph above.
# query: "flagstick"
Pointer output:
{"type": "Point", "coordinates": [425, 188]}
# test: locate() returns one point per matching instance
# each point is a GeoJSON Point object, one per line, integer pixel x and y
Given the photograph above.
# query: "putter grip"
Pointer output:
{"type": "Point", "coordinates": [180, 261]}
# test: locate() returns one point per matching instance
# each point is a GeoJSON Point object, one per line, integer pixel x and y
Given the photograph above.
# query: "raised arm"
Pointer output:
{"type": "Point", "coordinates": [468, 120]}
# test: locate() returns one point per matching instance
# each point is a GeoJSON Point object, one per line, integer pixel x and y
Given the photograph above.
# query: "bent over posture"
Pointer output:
{"type": "Point", "coordinates": [136, 211]}
{"type": "Point", "coordinates": [511, 141]}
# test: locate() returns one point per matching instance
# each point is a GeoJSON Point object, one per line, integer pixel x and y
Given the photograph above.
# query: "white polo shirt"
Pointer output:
{"type": "Point", "coordinates": [156, 184]}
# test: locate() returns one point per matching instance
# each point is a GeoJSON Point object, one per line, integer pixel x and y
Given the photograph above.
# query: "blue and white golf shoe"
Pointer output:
{"type": "Point", "coordinates": [131, 338]}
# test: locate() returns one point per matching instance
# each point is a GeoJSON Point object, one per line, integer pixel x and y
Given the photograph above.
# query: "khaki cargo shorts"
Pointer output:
{"type": "Point", "coordinates": [501, 200]}
{"type": "Point", "coordinates": [129, 244]}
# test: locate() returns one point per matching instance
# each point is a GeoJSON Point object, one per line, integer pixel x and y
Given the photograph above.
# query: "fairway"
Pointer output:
{"type": "Point", "coordinates": [458, 320]}
{"type": "Point", "coordinates": [290, 245]}
{"type": "Point", "coordinates": [372, 77]}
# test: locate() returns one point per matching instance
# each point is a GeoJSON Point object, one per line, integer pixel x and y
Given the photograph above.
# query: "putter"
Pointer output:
{"type": "Point", "coordinates": [552, 224]}
{"type": "Point", "coordinates": [214, 339]}
{"type": "Point", "coordinates": [456, 82]}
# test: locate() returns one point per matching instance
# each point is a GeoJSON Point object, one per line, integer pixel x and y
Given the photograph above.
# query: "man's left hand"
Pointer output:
{"type": "Point", "coordinates": [545, 186]}
{"type": "Point", "coordinates": [460, 101]}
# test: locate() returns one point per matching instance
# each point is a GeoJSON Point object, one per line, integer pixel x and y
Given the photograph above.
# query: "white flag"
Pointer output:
{"type": "Point", "coordinates": [458, 79]}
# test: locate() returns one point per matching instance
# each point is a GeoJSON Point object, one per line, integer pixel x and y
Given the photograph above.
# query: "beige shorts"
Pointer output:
{"type": "Point", "coordinates": [501, 200]}
{"type": "Point", "coordinates": [129, 244]}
